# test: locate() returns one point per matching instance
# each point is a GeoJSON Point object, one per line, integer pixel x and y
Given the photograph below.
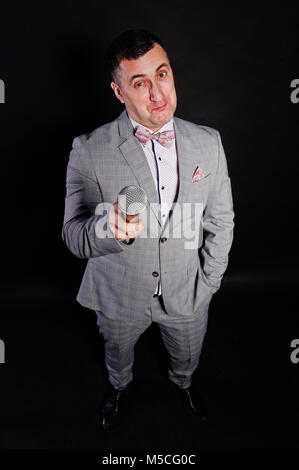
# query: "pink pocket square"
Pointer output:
{"type": "Point", "coordinates": [198, 174]}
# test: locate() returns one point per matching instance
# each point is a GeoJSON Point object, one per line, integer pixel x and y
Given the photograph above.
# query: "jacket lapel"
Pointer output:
{"type": "Point", "coordinates": [186, 161]}
{"type": "Point", "coordinates": [134, 155]}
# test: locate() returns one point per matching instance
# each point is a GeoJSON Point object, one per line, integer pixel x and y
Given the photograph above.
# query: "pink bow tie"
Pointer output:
{"type": "Point", "coordinates": [165, 138]}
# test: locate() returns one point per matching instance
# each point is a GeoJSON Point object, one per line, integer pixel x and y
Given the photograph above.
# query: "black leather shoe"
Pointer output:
{"type": "Point", "coordinates": [193, 402]}
{"type": "Point", "coordinates": [112, 406]}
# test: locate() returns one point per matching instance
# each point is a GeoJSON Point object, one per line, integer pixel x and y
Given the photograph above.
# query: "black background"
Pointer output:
{"type": "Point", "coordinates": [233, 66]}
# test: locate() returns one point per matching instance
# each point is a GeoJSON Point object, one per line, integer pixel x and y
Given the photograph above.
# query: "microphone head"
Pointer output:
{"type": "Point", "coordinates": [132, 200]}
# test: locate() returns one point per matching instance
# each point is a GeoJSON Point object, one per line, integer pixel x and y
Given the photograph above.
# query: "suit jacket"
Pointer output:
{"type": "Point", "coordinates": [120, 278]}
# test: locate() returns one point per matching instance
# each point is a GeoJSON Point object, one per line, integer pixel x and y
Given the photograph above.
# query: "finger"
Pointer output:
{"type": "Point", "coordinates": [121, 229]}
{"type": "Point", "coordinates": [134, 219]}
{"type": "Point", "coordinates": [134, 229]}
{"type": "Point", "coordinates": [121, 236]}
{"type": "Point", "coordinates": [116, 219]}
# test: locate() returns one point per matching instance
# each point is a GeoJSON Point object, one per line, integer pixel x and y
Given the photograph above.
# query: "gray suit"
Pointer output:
{"type": "Point", "coordinates": [120, 279]}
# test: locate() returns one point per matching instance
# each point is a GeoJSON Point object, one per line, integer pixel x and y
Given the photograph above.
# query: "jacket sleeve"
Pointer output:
{"type": "Point", "coordinates": [218, 225]}
{"type": "Point", "coordinates": [86, 230]}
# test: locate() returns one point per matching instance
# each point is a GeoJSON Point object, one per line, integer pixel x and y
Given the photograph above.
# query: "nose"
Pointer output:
{"type": "Point", "coordinates": [155, 93]}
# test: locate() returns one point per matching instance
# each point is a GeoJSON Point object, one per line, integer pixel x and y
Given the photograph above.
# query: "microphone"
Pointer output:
{"type": "Point", "coordinates": [131, 201]}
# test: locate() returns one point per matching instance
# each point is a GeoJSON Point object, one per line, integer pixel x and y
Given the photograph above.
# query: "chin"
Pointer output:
{"type": "Point", "coordinates": [164, 117]}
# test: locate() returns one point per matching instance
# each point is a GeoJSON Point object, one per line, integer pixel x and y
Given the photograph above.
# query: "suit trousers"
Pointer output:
{"type": "Point", "coordinates": [182, 336]}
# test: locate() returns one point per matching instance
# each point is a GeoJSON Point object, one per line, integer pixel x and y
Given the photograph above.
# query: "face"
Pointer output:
{"type": "Point", "coordinates": [146, 87]}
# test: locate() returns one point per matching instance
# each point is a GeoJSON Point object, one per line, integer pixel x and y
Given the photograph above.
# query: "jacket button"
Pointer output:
{"type": "Point", "coordinates": [163, 239]}
{"type": "Point", "coordinates": [155, 274]}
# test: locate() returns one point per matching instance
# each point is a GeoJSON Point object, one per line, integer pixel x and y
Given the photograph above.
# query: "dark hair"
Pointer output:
{"type": "Point", "coordinates": [129, 45]}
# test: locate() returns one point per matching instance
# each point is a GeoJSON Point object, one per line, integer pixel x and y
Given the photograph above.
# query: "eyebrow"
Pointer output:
{"type": "Point", "coordinates": [164, 64]}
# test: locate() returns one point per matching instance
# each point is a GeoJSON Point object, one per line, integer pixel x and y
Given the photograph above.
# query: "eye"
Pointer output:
{"type": "Point", "coordinates": [162, 74]}
{"type": "Point", "coordinates": [138, 84]}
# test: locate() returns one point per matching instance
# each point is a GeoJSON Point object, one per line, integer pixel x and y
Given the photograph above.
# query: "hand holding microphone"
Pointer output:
{"type": "Point", "coordinates": [123, 215]}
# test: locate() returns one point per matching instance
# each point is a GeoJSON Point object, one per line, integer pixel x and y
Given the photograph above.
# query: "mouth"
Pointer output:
{"type": "Point", "coordinates": [160, 108]}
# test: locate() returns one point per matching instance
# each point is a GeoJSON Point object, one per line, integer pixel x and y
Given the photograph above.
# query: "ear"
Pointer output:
{"type": "Point", "coordinates": [117, 92]}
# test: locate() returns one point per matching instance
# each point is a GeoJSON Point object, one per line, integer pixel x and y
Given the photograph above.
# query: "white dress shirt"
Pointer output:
{"type": "Point", "coordinates": [164, 167]}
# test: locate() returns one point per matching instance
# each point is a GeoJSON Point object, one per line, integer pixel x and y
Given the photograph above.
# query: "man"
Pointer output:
{"type": "Point", "coordinates": [139, 271]}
